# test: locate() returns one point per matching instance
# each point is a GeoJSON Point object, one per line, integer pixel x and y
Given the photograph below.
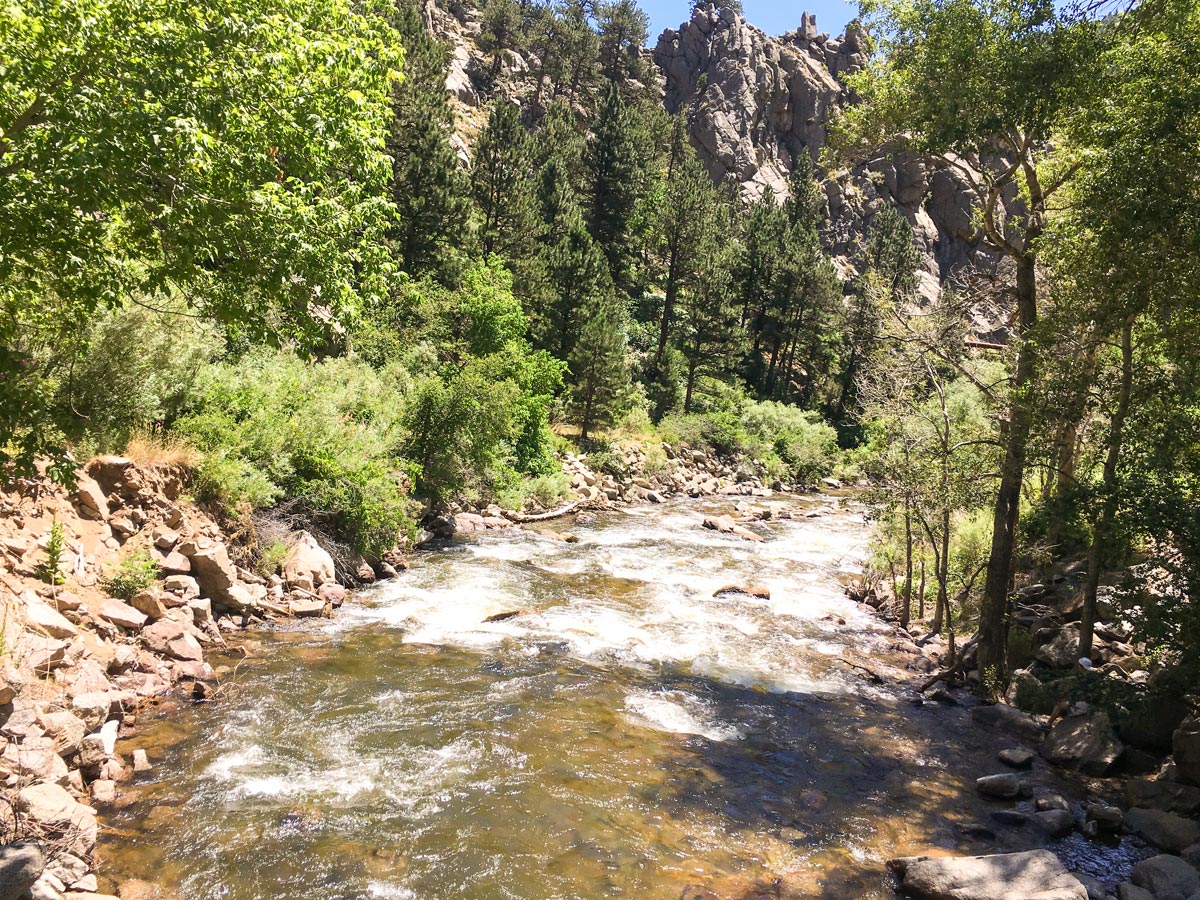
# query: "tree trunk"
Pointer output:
{"type": "Point", "coordinates": [921, 593]}
{"type": "Point", "coordinates": [1103, 524]}
{"type": "Point", "coordinates": [906, 606]}
{"type": "Point", "coordinates": [993, 613]}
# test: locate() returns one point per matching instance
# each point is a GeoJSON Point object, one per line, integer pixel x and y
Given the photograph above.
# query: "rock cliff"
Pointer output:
{"type": "Point", "coordinates": [754, 104]}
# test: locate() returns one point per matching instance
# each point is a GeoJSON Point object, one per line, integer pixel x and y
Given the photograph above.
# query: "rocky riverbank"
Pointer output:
{"type": "Point", "coordinates": [113, 592]}
{"type": "Point", "coordinates": [1139, 767]}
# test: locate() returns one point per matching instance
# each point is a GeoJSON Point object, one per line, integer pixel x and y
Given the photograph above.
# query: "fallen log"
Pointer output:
{"type": "Point", "coordinates": [521, 518]}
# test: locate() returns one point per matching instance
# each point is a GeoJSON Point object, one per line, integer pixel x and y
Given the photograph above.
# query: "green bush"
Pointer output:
{"type": "Point", "coordinates": [272, 426]}
{"type": "Point", "coordinates": [718, 431]}
{"type": "Point", "coordinates": [137, 367]}
{"type": "Point", "coordinates": [134, 573]}
{"type": "Point", "coordinates": [805, 444]}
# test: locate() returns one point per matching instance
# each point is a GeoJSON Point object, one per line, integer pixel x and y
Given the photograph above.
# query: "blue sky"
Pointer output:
{"type": "Point", "coordinates": [772, 16]}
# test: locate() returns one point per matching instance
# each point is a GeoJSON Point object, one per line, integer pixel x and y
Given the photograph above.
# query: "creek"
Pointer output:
{"type": "Point", "coordinates": [627, 734]}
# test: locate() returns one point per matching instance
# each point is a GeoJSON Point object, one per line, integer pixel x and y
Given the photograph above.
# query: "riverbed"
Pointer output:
{"type": "Point", "coordinates": [624, 733]}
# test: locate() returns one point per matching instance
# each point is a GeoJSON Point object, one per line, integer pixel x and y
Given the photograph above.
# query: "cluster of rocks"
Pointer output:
{"type": "Point", "coordinates": [637, 473]}
{"type": "Point", "coordinates": [1160, 812]}
{"type": "Point", "coordinates": [80, 662]}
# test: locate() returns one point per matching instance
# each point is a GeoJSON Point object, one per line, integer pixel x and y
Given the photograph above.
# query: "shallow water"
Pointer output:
{"type": "Point", "coordinates": [626, 735]}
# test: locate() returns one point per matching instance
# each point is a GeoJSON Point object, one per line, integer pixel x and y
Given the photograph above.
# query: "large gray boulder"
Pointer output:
{"type": "Point", "coordinates": [1062, 650]}
{"type": "Point", "coordinates": [21, 864]}
{"type": "Point", "coordinates": [1166, 877]}
{"type": "Point", "coordinates": [1085, 742]}
{"type": "Point", "coordinates": [1164, 830]}
{"type": "Point", "coordinates": [1186, 749]}
{"type": "Point", "coordinates": [1033, 875]}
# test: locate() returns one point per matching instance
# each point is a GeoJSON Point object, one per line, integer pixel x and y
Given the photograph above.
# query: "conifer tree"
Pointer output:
{"type": "Point", "coordinates": [503, 185]}
{"type": "Point", "coordinates": [429, 188]}
{"type": "Point", "coordinates": [623, 29]}
{"type": "Point", "coordinates": [708, 310]}
{"type": "Point", "coordinates": [599, 376]}
{"type": "Point", "coordinates": [614, 165]}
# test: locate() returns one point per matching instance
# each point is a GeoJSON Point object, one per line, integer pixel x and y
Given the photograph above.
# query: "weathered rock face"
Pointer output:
{"type": "Point", "coordinates": [760, 102]}
{"type": "Point", "coordinates": [1035, 875]}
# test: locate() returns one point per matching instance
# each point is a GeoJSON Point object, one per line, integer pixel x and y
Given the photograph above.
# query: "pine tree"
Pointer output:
{"type": "Point", "coordinates": [503, 185]}
{"type": "Point", "coordinates": [599, 376]}
{"type": "Point", "coordinates": [623, 31]}
{"type": "Point", "coordinates": [429, 188]}
{"type": "Point", "coordinates": [615, 166]}
{"type": "Point", "coordinates": [708, 309]}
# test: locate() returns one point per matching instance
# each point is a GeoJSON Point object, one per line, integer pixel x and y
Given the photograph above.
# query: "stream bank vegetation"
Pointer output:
{"type": "Point", "coordinates": [308, 294]}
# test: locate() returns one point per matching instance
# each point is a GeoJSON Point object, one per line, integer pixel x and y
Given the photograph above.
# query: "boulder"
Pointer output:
{"type": "Point", "coordinates": [1166, 877]}
{"type": "Point", "coordinates": [302, 608]}
{"type": "Point", "coordinates": [1017, 757]}
{"type": "Point", "coordinates": [93, 708]}
{"type": "Point", "coordinates": [1033, 875]}
{"type": "Point", "coordinates": [168, 637]}
{"type": "Point", "coordinates": [1164, 830]}
{"type": "Point", "coordinates": [1004, 786]}
{"type": "Point", "coordinates": [89, 499]}
{"type": "Point", "coordinates": [1009, 719]}
{"type": "Point", "coordinates": [1169, 795]}
{"type": "Point", "coordinates": [1186, 750]}
{"type": "Point", "coordinates": [53, 809]}
{"type": "Point", "coordinates": [21, 865]}
{"type": "Point", "coordinates": [45, 618]}
{"type": "Point", "coordinates": [1084, 742]}
{"type": "Point", "coordinates": [184, 585]}
{"type": "Point", "coordinates": [306, 558]}
{"type": "Point", "coordinates": [1127, 891]}
{"type": "Point", "coordinates": [332, 593]}
{"type": "Point", "coordinates": [750, 590]}
{"type": "Point", "coordinates": [1061, 651]}
{"type": "Point", "coordinates": [217, 577]}
{"type": "Point", "coordinates": [149, 604]}
{"type": "Point", "coordinates": [1107, 818]}
{"type": "Point", "coordinates": [121, 614]}
{"type": "Point", "coordinates": [1056, 822]}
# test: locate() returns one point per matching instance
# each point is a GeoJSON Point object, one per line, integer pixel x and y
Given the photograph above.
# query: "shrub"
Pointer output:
{"type": "Point", "coordinates": [50, 570]}
{"type": "Point", "coordinates": [272, 426]}
{"type": "Point", "coordinates": [134, 573]}
{"type": "Point", "coordinates": [137, 367]}
{"type": "Point", "coordinates": [800, 439]}
{"type": "Point", "coordinates": [718, 431]}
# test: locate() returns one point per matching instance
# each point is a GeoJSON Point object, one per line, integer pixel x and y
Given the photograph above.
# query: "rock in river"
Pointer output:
{"type": "Point", "coordinates": [1034, 875]}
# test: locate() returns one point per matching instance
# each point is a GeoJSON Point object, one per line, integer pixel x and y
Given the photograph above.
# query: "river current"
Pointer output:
{"type": "Point", "coordinates": [625, 734]}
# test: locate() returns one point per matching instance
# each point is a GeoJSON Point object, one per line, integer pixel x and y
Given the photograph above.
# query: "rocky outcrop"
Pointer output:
{"type": "Point", "coordinates": [757, 103]}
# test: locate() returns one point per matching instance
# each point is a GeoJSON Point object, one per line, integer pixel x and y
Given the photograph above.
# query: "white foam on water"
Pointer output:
{"type": "Point", "coordinates": [678, 713]}
{"type": "Point", "coordinates": [383, 890]}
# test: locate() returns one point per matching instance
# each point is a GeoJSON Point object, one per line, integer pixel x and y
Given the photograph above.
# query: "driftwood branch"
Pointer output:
{"type": "Point", "coordinates": [543, 517]}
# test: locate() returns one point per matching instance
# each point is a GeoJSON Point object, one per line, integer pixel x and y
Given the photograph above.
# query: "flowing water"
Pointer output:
{"type": "Point", "coordinates": [627, 734]}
